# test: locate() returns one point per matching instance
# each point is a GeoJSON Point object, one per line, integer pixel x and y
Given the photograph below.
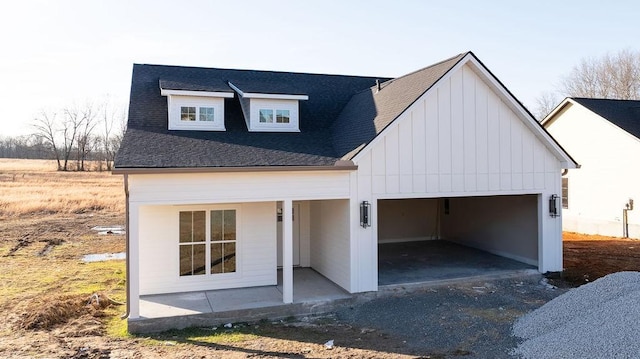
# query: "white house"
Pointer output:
{"type": "Point", "coordinates": [231, 174]}
{"type": "Point", "coordinates": [604, 137]}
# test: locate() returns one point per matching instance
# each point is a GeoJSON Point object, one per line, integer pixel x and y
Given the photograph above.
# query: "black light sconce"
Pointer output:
{"type": "Point", "coordinates": [554, 208]}
{"type": "Point", "coordinates": [365, 210]}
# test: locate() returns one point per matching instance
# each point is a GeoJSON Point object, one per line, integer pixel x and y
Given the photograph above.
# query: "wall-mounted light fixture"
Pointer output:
{"type": "Point", "coordinates": [365, 210]}
{"type": "Point", "coordinates": [554, 207]}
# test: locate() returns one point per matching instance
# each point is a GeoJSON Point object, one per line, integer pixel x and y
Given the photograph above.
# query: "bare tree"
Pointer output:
{"type": "Point", "coordinates": [85, 141]}
{"type": "Point", "coordinates": [73, 120]}
{"type": "Point", "coordinates": [46, 128]}
{"type": "Point", "coordinates": [612, 76]}
{"type": "Point", "coordinates": [114, 125]}
{"type": "Point", "coordinates": [545, 103]}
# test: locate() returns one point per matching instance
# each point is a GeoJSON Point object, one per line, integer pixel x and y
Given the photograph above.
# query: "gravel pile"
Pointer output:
{"type": "Point", "coordinates": [597, 320]}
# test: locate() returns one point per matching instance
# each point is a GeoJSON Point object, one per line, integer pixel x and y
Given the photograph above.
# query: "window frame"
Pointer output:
{"type": "Point", "coordinates": [564, 198]}
{"type": "Point", "coordinates": [274, 105]}
{"type": "Point", "coordinates": [176, 103]}
{"type": "Point", "coordinates": [208, 275]}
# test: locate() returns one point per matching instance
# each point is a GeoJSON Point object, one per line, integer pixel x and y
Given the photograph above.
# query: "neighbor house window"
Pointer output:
{"type": "Point", "coordinates": [192, 243]}
{"type": "Point", "coordinates": [207, 242]}
{"type": "Point", "coordinates": [191, 113]}
{"type": "Point", "coordinates": [565, 193]}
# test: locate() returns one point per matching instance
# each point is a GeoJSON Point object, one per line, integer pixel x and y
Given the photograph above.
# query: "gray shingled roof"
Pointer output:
{"type": "Point", "coordinates": [622, 113]}
{"type": "Point", "coordinates": [371, 111]}
{"type": "Point", "coordinates": [342, 114]}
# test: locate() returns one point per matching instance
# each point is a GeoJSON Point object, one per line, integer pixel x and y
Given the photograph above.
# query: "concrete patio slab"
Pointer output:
{"type": "Point", "coordinates": [175, 304]}
{"type": "Point", "coordinates": [243, 298]}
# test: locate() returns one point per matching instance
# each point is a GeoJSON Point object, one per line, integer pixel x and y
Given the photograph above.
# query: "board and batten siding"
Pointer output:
{"type": "Point", "coordinates": [330, 241]}
{"type": "Point", "coordinates": [460, 139]}
{"type": "Point", "coordinates": [608, 176]}
{"type": "Point", "coordinates": [159, 258]}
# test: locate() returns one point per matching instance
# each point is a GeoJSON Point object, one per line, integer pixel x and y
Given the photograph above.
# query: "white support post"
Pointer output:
{"type": "Point", "coordinates": [134, 261]}
{"type": "Point", "coordinates": [287, 251]}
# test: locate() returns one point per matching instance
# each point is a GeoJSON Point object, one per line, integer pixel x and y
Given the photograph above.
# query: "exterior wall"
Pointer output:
{"type": "Point", "coordinates": [460, 139]}
{"type": "Point", "coordinates": [504, 225]}
{"type": "Point", "coordinates": [237, 187]}
{"type": "Point", "coordinates": [407, 220]}
{"type": "Point", "coordinates": [607, 177]}
{"type": "Point", "coordinates": [330, 241]}
{"type": "Point", "coordinates": [159, 260]}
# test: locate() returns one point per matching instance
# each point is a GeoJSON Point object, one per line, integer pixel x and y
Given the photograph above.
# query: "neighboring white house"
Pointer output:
{"type": "Point", "coordinates": [604, 137]}
{"type": "Point", "coordinates": [233, 173]}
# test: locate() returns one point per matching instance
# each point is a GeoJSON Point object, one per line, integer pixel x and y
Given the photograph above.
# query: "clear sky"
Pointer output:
{"type": "Point", "coordinates": [57, 53]}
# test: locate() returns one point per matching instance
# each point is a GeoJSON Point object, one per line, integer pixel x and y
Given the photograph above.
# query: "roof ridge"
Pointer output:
{"type": "Point", "coordinates": [461, 55]}
{"type": "Point", "coordinates": [604, 99]}
{"type": "Point", "coordinates": [263, 71]}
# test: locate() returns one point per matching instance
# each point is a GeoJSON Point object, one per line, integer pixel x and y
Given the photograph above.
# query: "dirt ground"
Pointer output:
{"type": "Point", "coordinates": [589, 257]}
{"type": "Point", "coordinates": [50, 247]}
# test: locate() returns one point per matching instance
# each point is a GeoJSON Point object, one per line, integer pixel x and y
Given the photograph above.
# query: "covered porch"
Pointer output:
{"type": "Point", "coordinates": [314, 294]}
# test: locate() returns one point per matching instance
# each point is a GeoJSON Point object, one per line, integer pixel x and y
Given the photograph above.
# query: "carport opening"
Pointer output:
{"type": "Point", "coordinates": [445, 238]}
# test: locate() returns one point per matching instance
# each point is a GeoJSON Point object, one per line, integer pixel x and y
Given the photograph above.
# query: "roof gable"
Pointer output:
{"type": "Point", "coordinates": [343, 114]}
{"type": "Point", "coordinates": [369, 112]}
{"type": "Point", "coordinates": [437, 74]}
{"type": "Point", "coordinates": [622, 113]}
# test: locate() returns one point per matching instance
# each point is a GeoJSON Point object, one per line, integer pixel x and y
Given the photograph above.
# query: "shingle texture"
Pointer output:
{"type": "Point", "coordinates": [622, 113]}
{"type": "Point", "coordinates": [342, 114]}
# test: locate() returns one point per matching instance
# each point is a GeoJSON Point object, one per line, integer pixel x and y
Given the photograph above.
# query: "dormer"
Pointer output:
{"type": "Point", "coordinates": [267, 108]}
{"type": "Point", "coordinates": [195, 107]}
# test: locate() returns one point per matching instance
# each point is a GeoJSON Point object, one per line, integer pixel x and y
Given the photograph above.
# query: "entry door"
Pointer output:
{"type": "Point", "coordinates": [296, 237]}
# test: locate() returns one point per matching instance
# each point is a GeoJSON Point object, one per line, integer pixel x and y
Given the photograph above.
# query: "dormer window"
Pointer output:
{"type": "Point", "coordinates": [196, 113]}
{"type": "Point", "coordinates": [269, 112]}
{"type": "Point", "coordinates": [192, 113]}
{"type": "Point", "coordinates": [197, 110]}
{"type": "Point", "coordinates": [281, 116]}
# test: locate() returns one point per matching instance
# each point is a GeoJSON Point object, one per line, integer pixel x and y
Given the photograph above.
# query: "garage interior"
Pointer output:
{"type": "Point", "coordinates": [445, 238]}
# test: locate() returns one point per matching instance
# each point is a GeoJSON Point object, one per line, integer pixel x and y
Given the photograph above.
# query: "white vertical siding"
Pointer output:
{"type": "Point", "coordinates": [330, 241]}
{"type": "Point", "coordinates": [159, 259]}
{"type": "Point", "coordinates": [459, 139]}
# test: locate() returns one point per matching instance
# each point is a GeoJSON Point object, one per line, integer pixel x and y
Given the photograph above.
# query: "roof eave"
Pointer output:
{"type": "Point", "coordinates": [339, 166]}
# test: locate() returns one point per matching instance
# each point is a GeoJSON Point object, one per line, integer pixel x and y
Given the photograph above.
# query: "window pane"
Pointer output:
{"type": "Point", "coordinates": [206, 114]}
{"type": "Point", "coordinates": [565, 193]}
{"type": "Point", "coordinates": [199, 259]}
{"type": "Point", "coordinates": [229, 257]}
{"type": "Point", "coordinates": [199, 226]}
{"type": "Point", "coordinates": [266, 116]}
{"type": "Point", "coordinates": [229, 225]}
{"type": "Point", "coordinates": [185, 227]}
{"type": "Point", "coordinates": [187, 113]}
{"type": "Point", "coordinates": [185, 260]}
{"type": "Point", "coordinates": [282, 116]}
{"type": "Point", "coordinates": [216, 225]}
{"type": "Point", "coordinates": [216, 258]}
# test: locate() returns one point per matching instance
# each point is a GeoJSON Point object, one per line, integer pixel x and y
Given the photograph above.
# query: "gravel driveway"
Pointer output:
{"type": "Point", "coordinates": [471, 320]}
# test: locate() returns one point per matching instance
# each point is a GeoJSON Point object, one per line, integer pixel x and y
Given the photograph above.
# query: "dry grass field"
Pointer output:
{"type": "Point", "coordinates": [53, 305]}
{"type": "Point", "coordinates": [33, 187]}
